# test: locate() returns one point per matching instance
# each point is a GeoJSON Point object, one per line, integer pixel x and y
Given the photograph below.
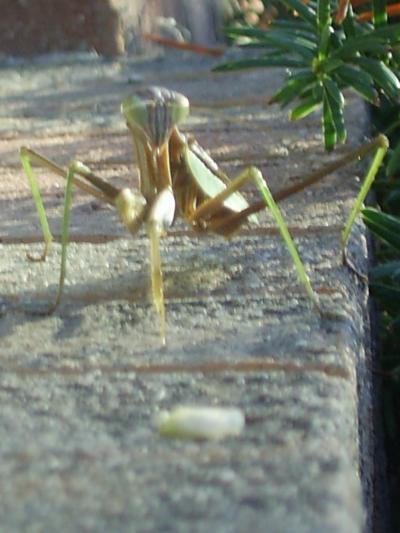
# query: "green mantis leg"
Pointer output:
{"type": "Point", "coordinates": [378, 145]}
{"type": "Point", "coordinates": [47, 236]}
{"type": "Point", "coordinates": [262, 186]}
{"type": "Point", "coordinates": [95, 186]}
{"type": "Point", "coordinates": [73, 168]}
{"type": "Point", "coordinates": [252, 173]}
{"type": "Point", "coordinates": [154, 234]}
{"type": "Point", "coordinates": [64, 234]}
{"type": "Point", "coordinates": [381, 149]}
{"type": "Point", "coordinates": [160, 216]}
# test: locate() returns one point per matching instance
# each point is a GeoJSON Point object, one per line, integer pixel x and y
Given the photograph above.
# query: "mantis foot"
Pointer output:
{"type": "Point", "coordinates": [347, 262]}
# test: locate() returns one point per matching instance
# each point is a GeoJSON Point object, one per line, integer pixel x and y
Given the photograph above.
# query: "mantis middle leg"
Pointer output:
{"type": "Point", "coordinates": [76, 173]}
{"type": "Point", "coordinates": [378, 146]}
{"type": "Point", "coordinates": [226, 227]}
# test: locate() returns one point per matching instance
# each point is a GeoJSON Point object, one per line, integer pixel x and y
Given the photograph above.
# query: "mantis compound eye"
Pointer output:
{"type": "Point", "coordinates": [155, 111]}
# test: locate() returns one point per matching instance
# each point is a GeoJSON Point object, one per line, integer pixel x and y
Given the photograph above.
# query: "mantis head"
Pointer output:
{"type": "Point", "coordinates": [154, 112]}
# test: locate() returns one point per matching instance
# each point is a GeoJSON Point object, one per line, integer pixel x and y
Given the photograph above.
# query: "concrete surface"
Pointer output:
{"type": "Point", "coordinates": [79, 388]}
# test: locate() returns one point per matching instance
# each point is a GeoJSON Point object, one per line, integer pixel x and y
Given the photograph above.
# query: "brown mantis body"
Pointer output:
{"type": "Point", "coordinates": [178, 178]}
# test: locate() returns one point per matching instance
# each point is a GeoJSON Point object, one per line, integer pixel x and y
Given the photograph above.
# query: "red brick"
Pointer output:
{"type": "Point", "coordinates": [110, 27]}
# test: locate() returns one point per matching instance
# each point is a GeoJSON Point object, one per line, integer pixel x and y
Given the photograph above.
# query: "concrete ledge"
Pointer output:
{"type": "Point", "coordinates": [79, 388]}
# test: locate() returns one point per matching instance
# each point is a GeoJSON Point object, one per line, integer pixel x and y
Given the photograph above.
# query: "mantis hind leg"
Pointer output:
{"type": "Point", "coordinates": [378, 146]}
{"type": "Point", "coordinates": [381, 147]}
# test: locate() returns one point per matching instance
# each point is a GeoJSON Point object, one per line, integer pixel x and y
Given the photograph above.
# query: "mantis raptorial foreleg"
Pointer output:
{"type": "Point", "coordinates": [132, 211]}
{"type": "Point", "coordinates": [153, 232]}
{"type": "Point", "coordinates": [160, 216]}
{"type": "Point", "coordinates": [174, 169]}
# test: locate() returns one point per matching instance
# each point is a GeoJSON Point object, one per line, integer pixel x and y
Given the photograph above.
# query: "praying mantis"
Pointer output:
{"type": "Point", "coordinates": [179, 178]}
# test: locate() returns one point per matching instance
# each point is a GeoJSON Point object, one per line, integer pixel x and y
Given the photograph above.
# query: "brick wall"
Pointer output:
{"type": "Point", "coordinates": [110, 27]}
